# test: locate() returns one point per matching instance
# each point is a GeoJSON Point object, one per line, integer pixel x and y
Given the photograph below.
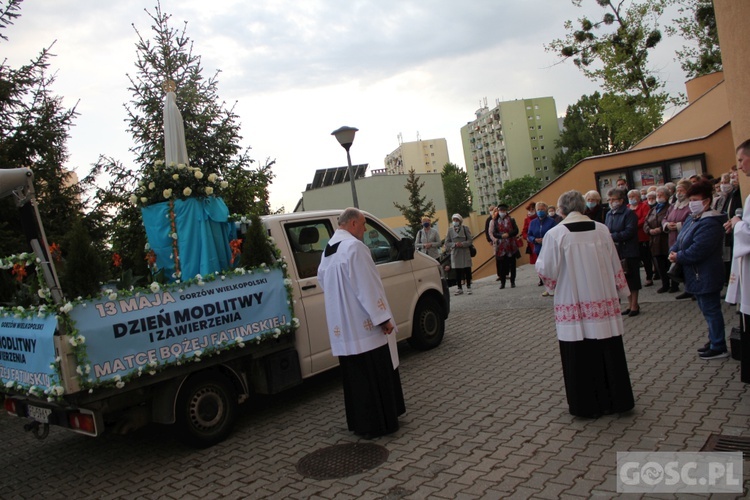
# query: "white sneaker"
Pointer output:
{"type": "Point", "coordinates": [468, 292]}
{"type": "Point", "coordinates": [459, 292]}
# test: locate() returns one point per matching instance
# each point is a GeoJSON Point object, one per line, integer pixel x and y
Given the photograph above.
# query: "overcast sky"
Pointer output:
{"type": "Point", "coordinates": [301, 69]}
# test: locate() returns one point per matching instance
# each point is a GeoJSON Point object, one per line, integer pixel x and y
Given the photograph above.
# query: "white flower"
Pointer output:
{"type": "Point", "coordinates": [117, 378]}
{"type": "Point", "coordinates": [41, 293]}
{"type": "Point", "coordinates": [198, 174]}
{"type": "Point", "coordinates": [209, 190]}
{"type": "Point", "coordinates": [144, 199]}
{"type": "Point", "coordinates": [91, 391]}
{"type": "Point", "coordinates": [147, 247]}
{"type": "Point", "coordinates": [9, 384]}
{"type": "Point", "coordinates": [174, 236]}
{"type": "Point", "coordinates": [180, 166]}
{"type": "Point", "coordinates": [151, 185]}
{"type": "Point", "coordinates": [58, 390]}
{"type": "Point", "coordinates": [72, 341]}
{"type": "Point", "coordinates": [158, 163]}
{"type": "Point", "coordinates": [187, 191]}
{"type": "Point", "coordinates": [176, 177]}
{"type": "Point", "coordinates": [242, 344]}
{"type": "Point", "coordinates": [295, 322]}
{"type": "Point", "coordinates": [88, 369]}
{"type": "Point", "coordinates": [212, 178]}
{"type": "Point", "coordinates": [224, 184]}
{"type": "Point", "coordinates": [133, 199]}
{"type": "Point", "coordinates": [79, 370]}
{"type": "Point", "coordinates": [152, 372]}
{"type": "Point", "coordinates": [198, 277]}
{"type": "Point", "coordinates": [154, 287]}
{"type": "Point", "coordinates": [80, 340]}
{"type": "Point", "coordinates": [112, 296]}
{"type": "Point", "coordinates": [152, 364]}
{"type": "Point", "coordinates": [167, 193]}
{"type": "Point", "coordinates": [287, 282]}
{"type": "Point", "coordinates": [197, 353]}
{"type": "Point", "coordinates": [120, 385]}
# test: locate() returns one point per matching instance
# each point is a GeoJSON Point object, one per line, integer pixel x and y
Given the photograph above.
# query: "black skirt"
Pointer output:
{"type": "Point", "coordinates": [596, 375]}
{"type": "Point", "coordinates": [372, 392]}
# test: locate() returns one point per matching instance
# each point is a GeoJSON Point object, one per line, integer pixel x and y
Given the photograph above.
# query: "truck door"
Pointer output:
{"type": "Point", "coordinates": [307, 240]}
{"type": "Point", "coordinates": [397, 276]}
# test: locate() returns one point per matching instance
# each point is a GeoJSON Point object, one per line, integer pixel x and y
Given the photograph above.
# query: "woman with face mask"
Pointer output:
{"type": "Point", "coordinates": [594, 209]}
{"type": "Point", "coordinates": [504, 232]}
{"type": "Point", "coordinates": [677, 214]}
{"type": "Point", "coordinates": [530, 215]}
{"type": "Point", "coordinates": [623, 226]}
{"type": "Point", "coordinates": [731, 204]}
{"type": "Point", "coordinates": [698, 249]}
{"type": "Point", "coordinates": [537, 229]}
{"type": "Point", "coordinates": [428, 239]}
{"type": "Point", "coordinates": [658, 239]}
{"type": "Point", "coordinates": [641, 210]}
{"type": "Point", "coordinates": [458, 242]}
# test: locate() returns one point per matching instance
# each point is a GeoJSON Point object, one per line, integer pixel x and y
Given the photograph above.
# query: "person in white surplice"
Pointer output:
{"type": "Point", "coordinates": [362, 330]}
{"type": "Point", "coordinates": [579, 263]}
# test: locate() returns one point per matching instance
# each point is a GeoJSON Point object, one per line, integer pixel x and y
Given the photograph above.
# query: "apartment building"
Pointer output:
{"type": "Point", "coordinates": [425, 157]}
{"type": "Point", "coordinates": [512, 140]}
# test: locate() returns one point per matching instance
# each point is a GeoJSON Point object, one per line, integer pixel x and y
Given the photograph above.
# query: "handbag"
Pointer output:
{"type": "Point", "coordinates": [676, 273]}
{"type": "Point", "coordinates": [473, 250]}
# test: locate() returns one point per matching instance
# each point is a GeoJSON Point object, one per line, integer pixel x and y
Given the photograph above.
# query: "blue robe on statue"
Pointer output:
{"type": "Point", "coordinates": [203, 235]}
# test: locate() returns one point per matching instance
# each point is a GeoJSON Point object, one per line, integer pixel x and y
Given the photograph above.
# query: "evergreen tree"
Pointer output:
{"type": "Point", "coordinates": [456, 189]}
{"type": "Point", "coordinates": [418, 205]}
{"type": "Point", "coordinates": [256, 249]}
{"type": "Point", "coordinates": [34, 127]}
{"type": "Point", "coordinates": [83, 270]}
{"type": "Point", "coordinates": [212, 136]}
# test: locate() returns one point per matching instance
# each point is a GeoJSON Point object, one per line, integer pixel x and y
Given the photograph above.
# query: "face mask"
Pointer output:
{"type": "Point", "coordinates": [531, 213]}
{"type": "Point", "coordinates": [651, 203]}
{"type": "Point", "coordinates": [644, 197]}
{"type": "Point", "coordinates": [502, 214]}
{"type": "Point", "coordinates": [633, 201]}
{"type": "Point", "coordinates": [456, 223]}
{"type": "Point", "coordinates": [680, 196]}
{"type": "Point", "coordinates": [591, 204]}
{"type": "Point", "coordinates": [425, 225]}
{"type": "Point", "coordinates": [726, 188]}
{"type": "Point", "coordinates": [551, 213]}
{"type": "Point", "coordinates": [696, 207]}
{"type": "Point", "coordinates": [541, 214]}
{"type": "Point", "coordinates": [661, 200]}
{"type": "Point", "coordinates": [615, 205]}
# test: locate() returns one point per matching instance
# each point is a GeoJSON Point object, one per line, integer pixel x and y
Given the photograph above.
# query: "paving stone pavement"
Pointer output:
{"type": "Point", "coordinates": [486, 418]}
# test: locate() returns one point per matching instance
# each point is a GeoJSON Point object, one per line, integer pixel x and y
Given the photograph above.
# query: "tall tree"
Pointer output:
{"type": "Point", "coordinates": [516, 191]}
{"type": "Point", "coordinates": [697, 24]}
{"type": "Point", "coordinates": [34, 128]}
{"type": "Point", "coordinates": [456, 189]}
{"type": "Point", "coordinates": [418, 205]}
{"type": "Point", "coordinates": [613, 52]}
{"type": "Point", "coordinates": [212, 136]}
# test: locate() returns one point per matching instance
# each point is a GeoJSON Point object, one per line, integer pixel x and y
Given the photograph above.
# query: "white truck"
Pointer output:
{"type": "Point", "coordinates": [190, 355]}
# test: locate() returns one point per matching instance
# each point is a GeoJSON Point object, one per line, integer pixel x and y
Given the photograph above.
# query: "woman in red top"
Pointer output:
{"type": "Point", "coordinates": [641, 210]}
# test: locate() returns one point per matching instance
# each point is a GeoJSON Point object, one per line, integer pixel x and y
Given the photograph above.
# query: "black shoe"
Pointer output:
{"type": "Point", "coordinates": [712, 354]}
{"type": "Point", "coordinates": [635, 313]}
{"type": "Point", "coordinates": [662, 290]}
{"type": "Point", "coordinates": [512, 285]}
{"type": "Point", "coordinates": [540, 283]}
{"type": "Point", "coordinates": [683, 295]}
{"type": "Point", "coordinates": [502, 285]}
{"type": "Point", "coordinates": [497, 279]}
{"type": "Point", "coordinates": [626, 312]}
{"type": "Point", "coordinates": [705, 348]}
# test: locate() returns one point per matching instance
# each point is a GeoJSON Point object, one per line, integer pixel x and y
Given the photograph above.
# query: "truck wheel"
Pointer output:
{"type": "Point", "coordinates": [206, 409]}
{"type": "Point", "coordinates": [429, 325]}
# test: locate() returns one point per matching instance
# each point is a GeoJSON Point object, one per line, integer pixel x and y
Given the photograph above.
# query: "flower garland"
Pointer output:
{"type": "Point", "coordinates": [175, 246]}
{"type": "Point", "coordinates": [78, 341]}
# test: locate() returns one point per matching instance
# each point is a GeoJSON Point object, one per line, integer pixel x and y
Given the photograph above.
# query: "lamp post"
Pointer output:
{"type": "Point", "coordinates": [345, 136]}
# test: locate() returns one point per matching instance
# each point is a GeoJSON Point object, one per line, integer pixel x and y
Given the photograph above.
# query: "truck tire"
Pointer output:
{"type": "Point", "coordinates": [428, 326]}
{"type": "Point", "coordinates": [206, 409]}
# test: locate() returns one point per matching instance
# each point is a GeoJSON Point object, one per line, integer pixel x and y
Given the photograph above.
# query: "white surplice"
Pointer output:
{"type": "Point", "coordinates": [739, 276]}
{"type": "Point", "coordinates": [583, 270]}
{"type": "Point", "coordinates": [355, 300]}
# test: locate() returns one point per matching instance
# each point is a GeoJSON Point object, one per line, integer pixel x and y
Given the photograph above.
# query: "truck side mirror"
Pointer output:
{"type": "Point", "coordinates": [405, 247]}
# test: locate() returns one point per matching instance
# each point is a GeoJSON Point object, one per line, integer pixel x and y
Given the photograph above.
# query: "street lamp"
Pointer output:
{"type": "Point", "coordinates": [345, 136]}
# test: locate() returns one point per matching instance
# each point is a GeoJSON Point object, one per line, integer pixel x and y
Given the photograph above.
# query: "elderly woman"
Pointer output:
{"type": "Point", "coordinates": [579, 260]}
{"type": "Point", "coordinates": [658, 240]}
{"type": "Point", "coordinates": [428, 239]}
{"type": "Point", "coordinates": [504, 231]}
{"type": "Point", "coordinates": [677, 213]}
{"type": "Point", "coordinates": [458, 242]}
{"type": "Point", "coordinates": [699, 250]}
{"type": "Point", "coordinates": [594, 209]}
{"type": "Point", "coordinates": [537, 229]}
{"type": "Point", "coordinates": [641, 210]}
{"type": "Point", "coordinates": [530, 215]}
{"type": "Point", "coordinates": [623, 225]}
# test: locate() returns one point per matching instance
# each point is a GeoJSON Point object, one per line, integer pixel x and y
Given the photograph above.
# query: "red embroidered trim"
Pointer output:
{"type": "Point", "coordinates": [598, 309]}
{"type": "Point", "coordinates": [548, 282]}
{"type": "Point", "coordinates": [620, 280]}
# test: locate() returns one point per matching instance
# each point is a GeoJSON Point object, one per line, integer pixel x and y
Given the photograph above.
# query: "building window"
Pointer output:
{"type": "Point", "coordinates": [542, 147]}
{"type": "Point", "coordinates": [536, 106]}
{"type": "Point", "coordinates": [546, 167]}
{"type": "Point", "coordinates": [536, 158]}
{"type": "Point", "coordinates": [544, 157]}
{"type": "Point", "coordinates": [538, 117]}
{"type": "Point", "coordinates": [546, 178]}
{"type": "Point", "coordinates": [531, 117]}
{"type": "Point", "coordinates": [531, 128]}
{"type": "Point", "coordinates": [538, 169]}
{"type": "Point", "coordinates": [539, 127]}
{"type": "Point", "coordinates": [528, 107]}
{"type": "Point", "coordinates": [535, 148]}
{"type": "Point", "coordinates": [533, 138]}
{"type": "Point", "coordinates": [541, 137]}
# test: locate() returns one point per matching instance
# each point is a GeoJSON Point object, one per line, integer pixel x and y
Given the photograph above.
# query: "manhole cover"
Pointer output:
{"type": "Point", "coordinates": [342, 460]}
{"type": "Point", "coordinates": [721, 442]}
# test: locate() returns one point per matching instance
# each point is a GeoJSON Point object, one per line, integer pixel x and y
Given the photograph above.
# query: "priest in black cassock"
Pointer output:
{"type": "Point", "coordinates": [362, 330]}
{"type": "Point", "coordinates": [579, 263]}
